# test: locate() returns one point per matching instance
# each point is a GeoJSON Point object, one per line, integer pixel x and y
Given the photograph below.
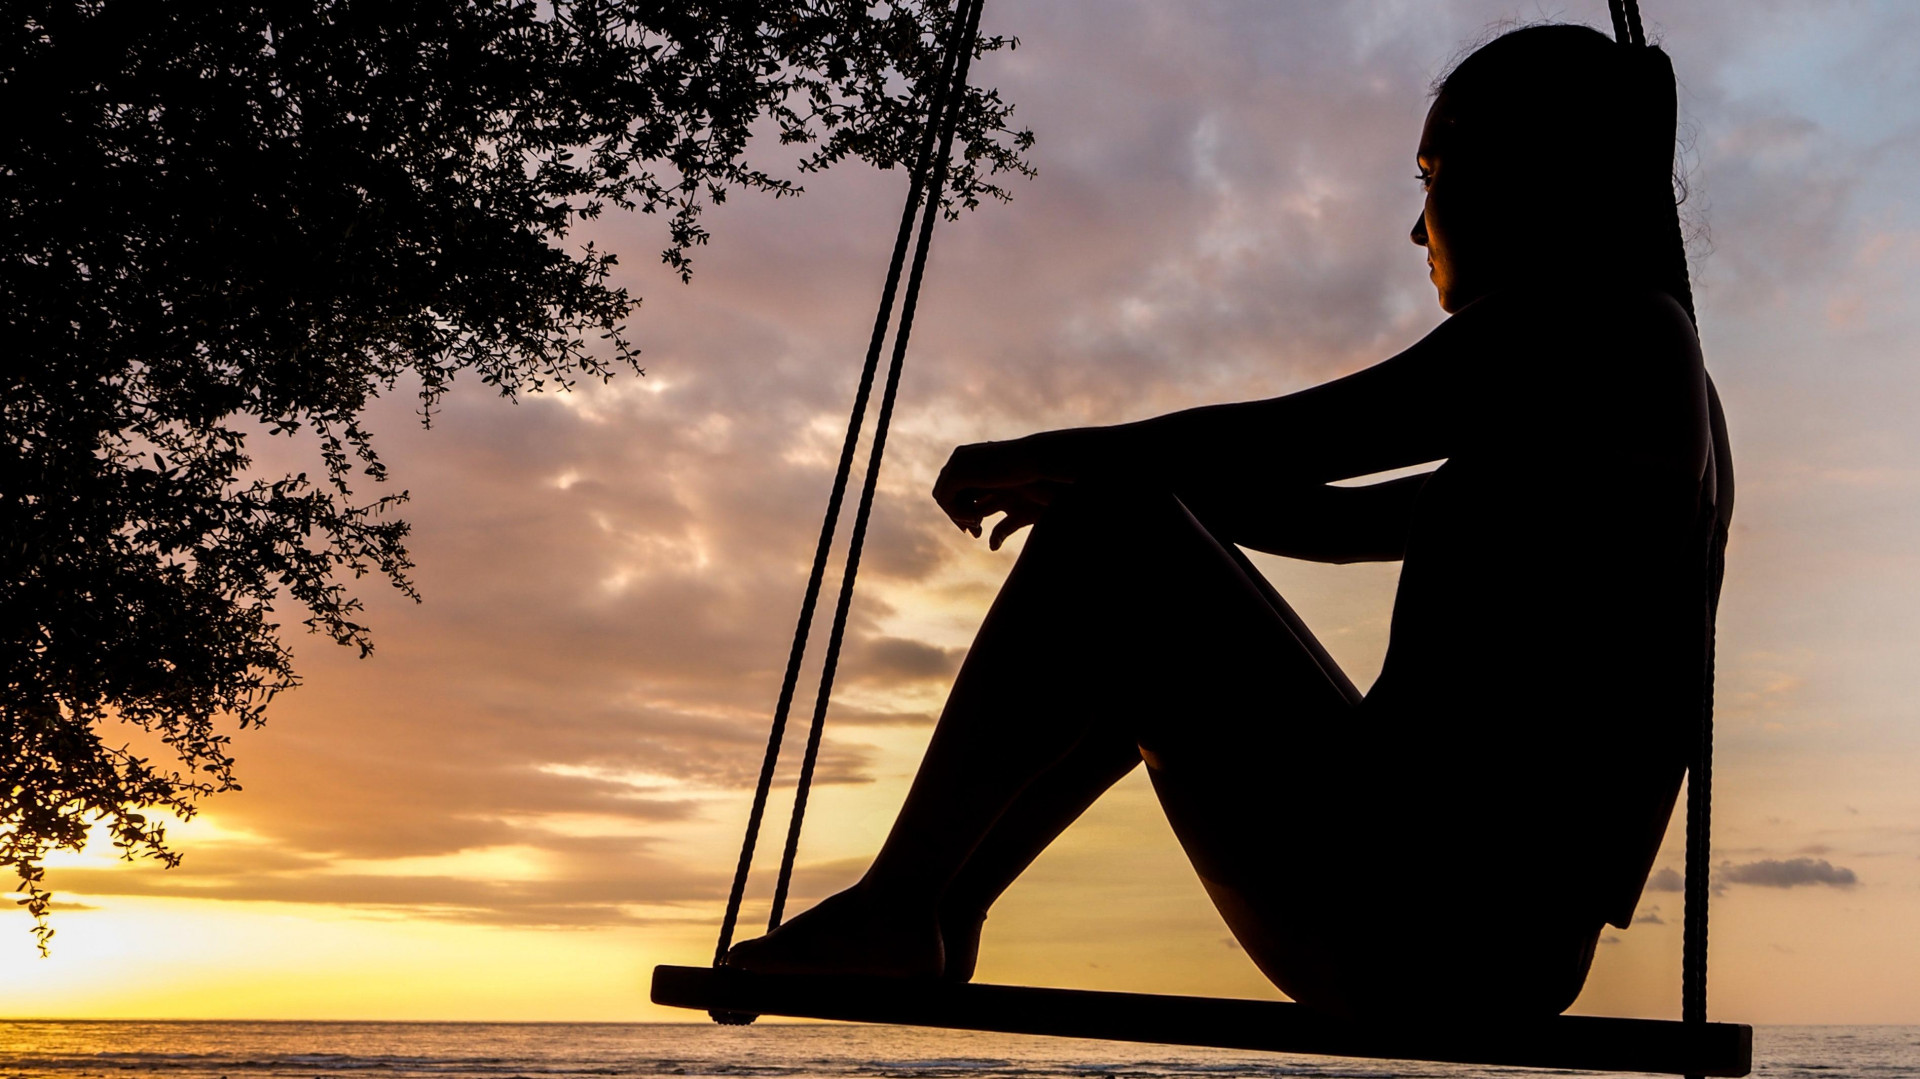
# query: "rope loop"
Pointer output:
{"type": "Point", "coordinates": [1627, 29]}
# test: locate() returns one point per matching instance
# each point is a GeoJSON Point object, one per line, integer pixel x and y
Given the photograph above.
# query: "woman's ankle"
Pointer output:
{"type": "Point", "coordinates": [897, 895]}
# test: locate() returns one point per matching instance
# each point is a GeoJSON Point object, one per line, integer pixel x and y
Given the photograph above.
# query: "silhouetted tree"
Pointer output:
{"type": "Point", "coordinates": [230, 220]}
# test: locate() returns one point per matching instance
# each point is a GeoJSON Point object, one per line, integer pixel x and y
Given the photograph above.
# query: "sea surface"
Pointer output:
{"type": "Point", "coordinates": [226, 1050]}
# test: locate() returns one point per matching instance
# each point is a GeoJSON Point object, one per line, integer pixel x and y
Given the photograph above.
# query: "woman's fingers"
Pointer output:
{"type": "Point", "coordinates": [985, 504]}
{"type": "Point", "coordinates": [1022, 507]}
{"type": "Point", "coordinates": [985, 478]}
{"type": "Point", "coordinates": [965, 469]}
{"type": "Point", "coordinates": [970, 507]}
{"type": "Point", "coordinates": [964, 508]}
{"type": "Point", "coordinates": [977, 468]}
{"type": "Point", "coordinates": [1014, 521]}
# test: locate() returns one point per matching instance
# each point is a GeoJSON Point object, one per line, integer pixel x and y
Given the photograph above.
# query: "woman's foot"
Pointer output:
{"type": "Point", "coordinates": [852, 932]}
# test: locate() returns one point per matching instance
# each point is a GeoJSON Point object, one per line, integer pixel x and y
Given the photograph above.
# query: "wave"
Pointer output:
{"type": "Point", "coordinates": [108, 1050]}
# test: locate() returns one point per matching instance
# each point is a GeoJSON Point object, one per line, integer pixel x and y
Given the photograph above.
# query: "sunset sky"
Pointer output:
{"type": "Point", "coordinates": [534, 790]}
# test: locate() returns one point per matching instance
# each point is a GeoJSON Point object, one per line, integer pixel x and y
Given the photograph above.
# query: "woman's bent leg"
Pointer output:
{"type": "Point", "coordinates": [1123, 624]}
{"type": "Point", "coordinates": [1054, 800]}
{"type": "Point", "coordinates": [1128, 632]}
{"type": "Point", "coordinates": [1336, 844]}
{"type": "Point", "coordinates": [1230, 664]}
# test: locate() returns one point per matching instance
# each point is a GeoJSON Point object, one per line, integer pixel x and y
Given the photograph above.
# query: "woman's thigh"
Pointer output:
{"type": "Point", "coordinates": [1326, 834]}
{"type": "Point", "coordinates": [1254, 737]}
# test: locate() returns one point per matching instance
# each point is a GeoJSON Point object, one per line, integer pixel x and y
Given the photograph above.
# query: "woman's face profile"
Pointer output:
{"type": "Point", "coordinates": [1456, 263]}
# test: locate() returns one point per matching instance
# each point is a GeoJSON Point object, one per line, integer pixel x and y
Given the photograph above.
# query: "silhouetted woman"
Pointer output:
{"type": "Point", "coordinates": [1458, 835]}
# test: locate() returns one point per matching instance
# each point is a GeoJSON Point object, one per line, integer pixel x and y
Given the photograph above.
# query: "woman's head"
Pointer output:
{"type": "Point", "coordinates": [1548, 158]}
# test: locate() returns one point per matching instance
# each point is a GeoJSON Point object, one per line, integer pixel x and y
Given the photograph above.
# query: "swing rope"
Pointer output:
{"type": "Point", "coordinates": [955, 93]}
{"type": "Point", "coordinates": [1628, 30]}
{"type": "Point", "coordinates": [924, 191]}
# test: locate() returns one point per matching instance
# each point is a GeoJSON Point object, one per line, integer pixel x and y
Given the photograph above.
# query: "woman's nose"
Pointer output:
{"type": "Point", "coordinates": [1419, 234]}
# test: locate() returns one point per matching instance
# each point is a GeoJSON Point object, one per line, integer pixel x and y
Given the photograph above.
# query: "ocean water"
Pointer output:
{"type": "Point", "coordinates": [225, 1050]}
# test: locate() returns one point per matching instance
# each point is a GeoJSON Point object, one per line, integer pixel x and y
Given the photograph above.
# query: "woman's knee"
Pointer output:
{"type": "Point", "coordinates": [1110, 507]}
{"type": "Point", "coordinates": [1100, 536]}
{"type": "Point", "coordinates": [1133, 527]}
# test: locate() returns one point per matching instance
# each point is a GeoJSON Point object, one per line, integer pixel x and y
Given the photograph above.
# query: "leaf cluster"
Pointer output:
{"type": "Point", "coordinates": [228, 220]}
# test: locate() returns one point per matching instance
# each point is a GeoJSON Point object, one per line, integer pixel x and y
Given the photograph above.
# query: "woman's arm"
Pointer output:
{"type": "Point", "coordinates": [1396, 413]}
{"type": "Point", "coordinates": [1405, 411]}
{"type": "Point", "coordinates": [1530, 375]}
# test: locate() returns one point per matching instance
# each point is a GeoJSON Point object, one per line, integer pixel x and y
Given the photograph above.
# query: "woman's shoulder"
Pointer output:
{"type": "Point", "coordinates": [1595, 337]}
{"type": "Point", "coordinates": [1585, 312]}
{"type": "Point", "coordinates": [1611, 369]}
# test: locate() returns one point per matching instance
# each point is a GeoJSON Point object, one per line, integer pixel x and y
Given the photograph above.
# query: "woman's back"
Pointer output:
{"type": "Point", "coordinates": [1546, 656]}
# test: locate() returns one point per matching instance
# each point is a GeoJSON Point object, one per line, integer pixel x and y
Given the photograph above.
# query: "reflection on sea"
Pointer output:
{"type": "Point", "coordinates": [211, 1050]}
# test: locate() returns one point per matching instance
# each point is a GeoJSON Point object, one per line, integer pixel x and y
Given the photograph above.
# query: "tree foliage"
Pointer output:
{"type": "Point", "coordinates": [234, 219]}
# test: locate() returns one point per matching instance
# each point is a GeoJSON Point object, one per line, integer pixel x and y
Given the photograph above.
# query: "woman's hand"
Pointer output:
{"type": "Point", "coordinates": [1018, 478]}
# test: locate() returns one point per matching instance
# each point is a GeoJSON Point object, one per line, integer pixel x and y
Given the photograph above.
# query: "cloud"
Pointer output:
{"type": "Point", "coordinates": [1649, 916]}
{"type": "Point", "coordinates": [1772, 873]}
{"type": "Point", "coordinates": [847, 715]}
{"type": "Point", "coordinates": [579, 881]}
{"type": "Point", "coordinates": [1767, 873]}
{"type": "Point", "coordinates": [896, 659]}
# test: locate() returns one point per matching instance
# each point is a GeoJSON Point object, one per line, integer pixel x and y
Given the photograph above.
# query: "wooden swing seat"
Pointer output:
{"type": "Point", "coordinates": [1567, 1041]}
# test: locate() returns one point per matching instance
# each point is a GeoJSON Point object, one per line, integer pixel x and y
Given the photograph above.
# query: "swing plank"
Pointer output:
{"type": "Point", "coordinates": [1569, 1041]}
